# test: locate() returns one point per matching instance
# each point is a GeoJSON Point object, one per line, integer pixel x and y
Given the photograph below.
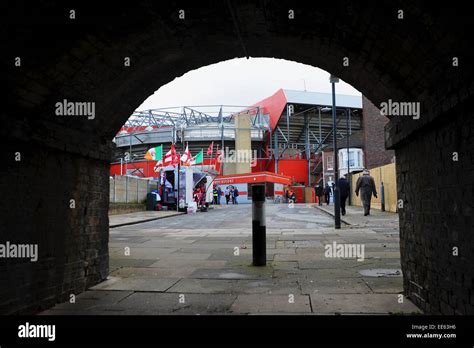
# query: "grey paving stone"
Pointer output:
{"type": "Point", "coordinates": [170, 263]}
{"type": "Point", "coordinates": [172, 303]}
{"type": "Point", "coordinates": [385, 285]}
{"type": "Point", "coordinates": [245, 304]}
{"type": "Point", "coordinates": [153, 272]}
{"type": "Point", "coordinates": [314, 286]}
{"type": "Point", "coordinates": [90, 299]}
{"type": "Point", "coordinates": [361, 303]}
{"type": "Point", "coordinates": [239, 273]}
{"type": "Point", "coordinates": [136, 284]}
{"type": "Point", "coordinates": [117, 263]}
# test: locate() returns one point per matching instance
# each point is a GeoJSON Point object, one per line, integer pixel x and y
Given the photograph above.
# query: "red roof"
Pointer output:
{"type": "Point", "coordinates": [273, 106]}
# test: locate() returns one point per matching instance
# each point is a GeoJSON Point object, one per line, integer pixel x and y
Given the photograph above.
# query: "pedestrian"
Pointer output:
{"type": "Point", "coordinates": [219, 194]}
{"type": "Point", "coordinates": [327, 193]}
{"type": "Point", "coordinates": [197, 195]}
{"type": "Point", "coordinates": [227, 194]}
{"type": "Point", "coordinates": [344, 192]}
{"type": "Point", "coordinates": [318, 189]}
{"type": "Point", "coordinates": [292, 196]}
{"type": "Point", "coordinates": [366, 186]}
{"type": "Point", "coordinates": [214, 194]}
{"type": "Point", "coordinates": [286, 195]}
{"type": "Point", "coordinates": [235, 195]}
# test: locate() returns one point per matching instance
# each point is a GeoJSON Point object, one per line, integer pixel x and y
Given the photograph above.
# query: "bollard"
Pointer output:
{"type": "Point", "coordinates": [337, 207]}
{"type": "Point", "coordinates": [382, 196]}
{"type": "Point", "coordinates": [259, 229]}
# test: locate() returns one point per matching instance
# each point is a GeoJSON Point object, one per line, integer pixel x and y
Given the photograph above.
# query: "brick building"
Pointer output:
{"type": "Point", "coordinates": [369, 139]}
{"type": "Point", "coordinates": [373, 126]}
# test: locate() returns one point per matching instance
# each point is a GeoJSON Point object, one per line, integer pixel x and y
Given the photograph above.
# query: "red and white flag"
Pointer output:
{"type": "Point", "coordinates": [171, 158]}
{"type": "Point", "coordinates": [186, 157]}
{"type": "Point", "coordinates": [217, 156]}
{"type": "Point", "coordinates": [210, 150]}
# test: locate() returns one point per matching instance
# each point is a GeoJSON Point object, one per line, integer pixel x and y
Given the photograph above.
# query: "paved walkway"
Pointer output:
{"type": "Point", "coordinates": [139, 217]}
{"type": "Point", "coordinates": [355, 217]}
{"type": "Point", "coordinates": [201, 264]}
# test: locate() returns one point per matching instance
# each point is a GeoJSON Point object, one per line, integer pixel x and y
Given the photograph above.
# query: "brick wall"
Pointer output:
{"type": "Point", "coordinates": [437, 216]}
{"type": "Point", "coordinates": [86, 64]}
{"type": "Point", "coordinates": [373, 125]}
{"type": "Point", "coordinates": [35, 206]}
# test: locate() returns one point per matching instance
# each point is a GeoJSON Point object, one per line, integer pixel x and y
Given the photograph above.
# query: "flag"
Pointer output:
{"type": "Point", "coordinates": [155, 153]}
{"type": "Point", "coordinates": [186, 157]}
{"type": "Point", "coordinates": [199, 158]}
{"type": "Point", "coordinates": [217, 156]}
{"type": "Point", "coordinates": [210, 150]}
{"type": "Point", "coordinates": [172, 157]}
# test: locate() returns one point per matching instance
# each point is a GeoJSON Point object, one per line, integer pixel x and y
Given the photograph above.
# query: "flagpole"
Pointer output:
{"type": "Point", "coordinates": [177, 196]}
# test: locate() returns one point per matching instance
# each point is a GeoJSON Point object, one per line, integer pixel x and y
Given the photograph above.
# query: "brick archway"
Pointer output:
{"type": "Point", "coordinates": [82, 59]}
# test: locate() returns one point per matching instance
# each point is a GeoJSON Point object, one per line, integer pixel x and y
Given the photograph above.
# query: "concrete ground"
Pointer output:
{"type": "Point", "coordinates": [201, 264]}
{"type": "Point", "coordinates": [138, 217]}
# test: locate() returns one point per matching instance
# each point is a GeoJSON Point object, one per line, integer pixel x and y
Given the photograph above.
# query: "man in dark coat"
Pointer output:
{"type": "Point", "coordinates": [219, 193]}
{"type": "Point", "coordinates": [235, 194]}
{"type": "Point", "coordinates": [366, 186]}
{"type": "Point", "coordinates": [318, 190]}
{"type": "Point", "coordinates": [327, 193]}
{"type": "Point", "coordinates": [344, 192]}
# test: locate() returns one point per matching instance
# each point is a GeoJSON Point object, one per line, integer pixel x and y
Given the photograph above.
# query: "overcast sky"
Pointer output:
{"type": "Point", "coordinates": [243, 82]}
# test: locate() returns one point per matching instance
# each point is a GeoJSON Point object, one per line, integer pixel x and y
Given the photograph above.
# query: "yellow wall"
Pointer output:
{"type": "Point", "coordinates": [386, 174]}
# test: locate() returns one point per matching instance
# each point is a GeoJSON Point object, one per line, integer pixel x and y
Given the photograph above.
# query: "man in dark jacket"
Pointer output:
{"type": "Point", "coordinates": [344, 192]}
{"type": "Point", "coordinates": [219, 194]}
{"type": "Point", "coordinates": [235, 194]}
{"type": "Point", "coordinates": [366, 186]}
{"type": "Point", "coordinates": [318, 190]}
{"type": "Point", "coordinates": [327, 193]}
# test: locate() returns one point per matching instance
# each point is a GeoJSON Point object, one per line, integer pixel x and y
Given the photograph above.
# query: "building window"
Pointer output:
{"type": "Point", "coordinates": [329, 165]}
{"type": "Point", "coordinates": [351, 159]}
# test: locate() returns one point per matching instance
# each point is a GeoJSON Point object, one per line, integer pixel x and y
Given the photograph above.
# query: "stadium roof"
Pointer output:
{"type": "Point", "coordinates": [323, 99]}
{"type": "Point", "coordinates": [276, 103]}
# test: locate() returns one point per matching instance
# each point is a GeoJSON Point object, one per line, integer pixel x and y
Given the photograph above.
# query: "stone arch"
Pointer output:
{"type": "Point", "coordinates": [81, 59]}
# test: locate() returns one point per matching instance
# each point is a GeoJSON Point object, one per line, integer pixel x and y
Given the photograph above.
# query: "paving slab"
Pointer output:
{"type": "Point", "coordinates": [232, 273]}
{"type": "Point", "coordinates": [139, 217]}
{"type": "Point", "coordinates": [385, 285]}
{"type": "Point", "coordinates": [152, 272]}
{"type": "Point", "coordinates": [170, 263]}
{"type": "Point", "coordinates": [317, 286]}
{"type": "Point", "coordinates": [126, 262]}
{"type": "Point", "coordinates": [139, 253]}
{"type": "Point", "coordinates": [235, 286]}
{"type": "Point", "coordinates": [361, 304]}
{"type": "Point", "coordinates": [147, 303]}
{"type": "Point", "coordinates": [245, 304]}
{"type": "Point", "coordinates": [90, 299]}
{"type": "Point", "coordinates": [136, 284]}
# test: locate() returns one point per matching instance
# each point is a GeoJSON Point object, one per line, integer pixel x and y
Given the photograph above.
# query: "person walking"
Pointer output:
{"type": "Point", "coordinates": [327, 193]}
{"type": "Point", "coordinates": [318, 190]}
{"type": "Point", "coordinates": [292, 195]}
{"type": "Point", "coordinates": [227, 194]}
{"type": "Point", "coordinates": [219, 194]}
{"type": "Point", "coordinates": [235, 194]}
{"type": "Point", "coordinates": [366, 185]}
{"type": "Point", "coordinates": [344, 192]}
{"type": "Point", "coordinates": [214, 195]}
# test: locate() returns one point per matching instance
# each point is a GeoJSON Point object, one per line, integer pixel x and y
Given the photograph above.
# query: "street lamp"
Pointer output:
{"type": "Point", "coordinates": [337, 211]}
